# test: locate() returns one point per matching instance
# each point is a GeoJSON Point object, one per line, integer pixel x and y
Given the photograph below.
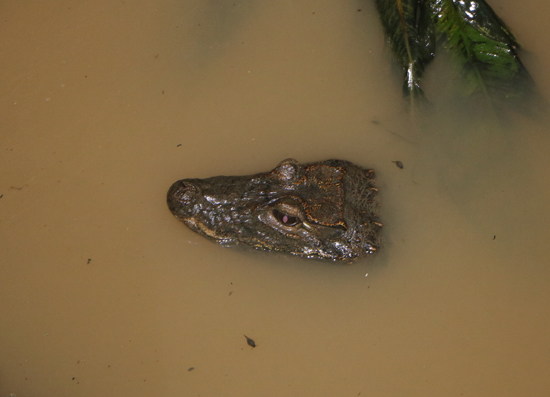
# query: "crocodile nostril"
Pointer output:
{"type": "Point", "coordinates": [181, 193]}
{"type": "Point", "coordinates": [185, 191]}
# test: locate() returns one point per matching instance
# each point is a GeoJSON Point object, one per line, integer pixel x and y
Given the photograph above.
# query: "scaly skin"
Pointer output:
{"type": "Point", "coordinates": [322, 210]}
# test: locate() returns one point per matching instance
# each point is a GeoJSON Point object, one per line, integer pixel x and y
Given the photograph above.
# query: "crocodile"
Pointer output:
{"type": "Point", "coordinates": [321, 210]}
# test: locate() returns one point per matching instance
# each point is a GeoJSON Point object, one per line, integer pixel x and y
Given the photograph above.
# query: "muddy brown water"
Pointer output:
{"type": "Point", "coordinates": [103, 292]}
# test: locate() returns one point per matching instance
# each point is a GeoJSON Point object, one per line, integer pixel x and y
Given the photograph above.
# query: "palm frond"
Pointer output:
{"type": "Point", "coordinates": [482, 44]}
{"type": "Point", "coordinates": [485, 48]}
{"type": "Point", "coordinates": [411, 35]}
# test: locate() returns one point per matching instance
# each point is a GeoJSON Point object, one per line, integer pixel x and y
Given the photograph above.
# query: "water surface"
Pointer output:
{"type": "Point", "coordinates": [103, 292]}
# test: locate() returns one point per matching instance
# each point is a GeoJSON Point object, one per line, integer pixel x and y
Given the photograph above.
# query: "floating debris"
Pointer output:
{"type": "Point", "coordinates": [399, 164]}
{"type": "Point", "coordinates": [250, 341]}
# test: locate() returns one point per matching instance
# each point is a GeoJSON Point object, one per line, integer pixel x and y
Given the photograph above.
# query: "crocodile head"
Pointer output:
{"type": "Point", "coordinates": [321, 210]}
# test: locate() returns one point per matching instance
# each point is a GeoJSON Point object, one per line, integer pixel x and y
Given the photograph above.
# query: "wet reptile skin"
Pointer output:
{"type": "Point", "coordinates": [323, 210]}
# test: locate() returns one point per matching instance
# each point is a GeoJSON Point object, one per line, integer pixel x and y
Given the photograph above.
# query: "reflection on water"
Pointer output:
{"type": "Point", "coordinates": [104, 292]}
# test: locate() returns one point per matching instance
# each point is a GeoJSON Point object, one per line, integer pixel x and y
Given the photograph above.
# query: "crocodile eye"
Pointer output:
{"type": "Point", "coordinates": [285, 219]}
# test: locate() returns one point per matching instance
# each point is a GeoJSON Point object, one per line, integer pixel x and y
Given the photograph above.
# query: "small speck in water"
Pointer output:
{"type": "Point", "coordinates": [190, 369]}
{"type": "Point", "coordinates": [250, 341]}
{"type": "Point", "coordinates": [399, 164]}
{"type": "Point", "coordinates": [494, 237]}
{"type": "Point", "coordinates": [179, 144]}
{"type": "Point", "coordinates": [89, 260]}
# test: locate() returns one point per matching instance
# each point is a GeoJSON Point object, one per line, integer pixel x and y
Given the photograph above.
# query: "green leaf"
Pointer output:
{"type": "Point", "coordinates": [485, 48]}
{"type": "Point", "coordinates": [410, 29]}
